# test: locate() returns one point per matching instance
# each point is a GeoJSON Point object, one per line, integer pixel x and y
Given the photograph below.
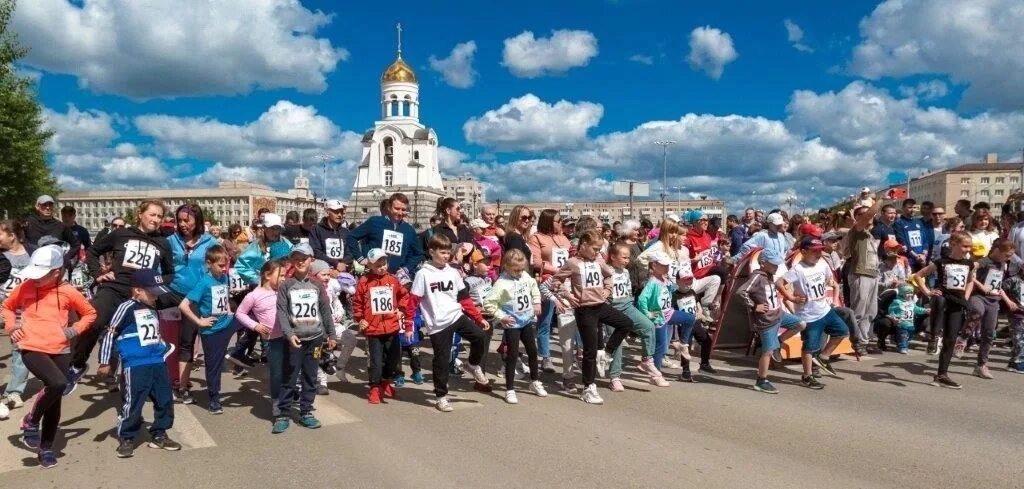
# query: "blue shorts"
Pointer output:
{"type": "Point", "coordinates": [770, 337]}
{"type": "Point", "coordinates": [831, 324]}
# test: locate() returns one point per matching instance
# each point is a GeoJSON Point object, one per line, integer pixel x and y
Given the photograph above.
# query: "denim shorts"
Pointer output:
{"type": "Point", "coordinates": [831, 324]}
{"type": "Point", "coordinates": [770, 336]}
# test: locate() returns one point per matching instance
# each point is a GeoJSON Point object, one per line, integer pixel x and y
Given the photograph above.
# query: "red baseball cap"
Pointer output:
{"type": "Point", "coordinates": [808, 229]}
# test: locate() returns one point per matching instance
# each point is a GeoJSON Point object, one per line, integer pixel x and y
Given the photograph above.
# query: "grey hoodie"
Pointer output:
{"type": "Point", "coordinates": [303, 309]}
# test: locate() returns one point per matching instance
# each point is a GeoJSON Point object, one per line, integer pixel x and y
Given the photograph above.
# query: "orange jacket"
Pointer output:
{"type": "Point", "coordinates": [362, 303]}
{"type": "Point", "coordinates": [44, 316]}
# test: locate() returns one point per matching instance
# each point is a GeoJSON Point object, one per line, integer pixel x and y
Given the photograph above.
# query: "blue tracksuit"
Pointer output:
{"type": "Point", "coordinates": [136, 330]}
{"type": "Point", "coordinates": [912, 234]}
{"type": "Point", "coordinates": [370, 234]}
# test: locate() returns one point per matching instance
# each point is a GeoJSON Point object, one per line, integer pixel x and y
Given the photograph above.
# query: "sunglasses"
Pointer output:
{"type": "Point", "coordinates": [938, 213]}
{"type": "Point", "coordinates": [527, 218]}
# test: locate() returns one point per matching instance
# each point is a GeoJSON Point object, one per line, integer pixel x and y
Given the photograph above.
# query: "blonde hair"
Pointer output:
{"type": "Point", "coordinates": [145, 205]}
{"type": "Point", "coordinates": [513, 262]}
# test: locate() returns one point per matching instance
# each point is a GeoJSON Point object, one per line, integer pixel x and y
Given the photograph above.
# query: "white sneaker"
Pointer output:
{"type": "Point", "coordinates": [510, 397]}
{"type": "Point", "coordinates": [603, 361]}
{"type": "Point", "coordinates": [476, 372]}
{"type": "Point", "coordinates": [538, 388]}
{"type": "Point", "coordinates": [14, 400]}
{"type": "Point", "coordinates": [684, 351]}
{"type": "Point", "coordinates": [590, 395]}
{"type": "Point", "coordinates": [4, 411]}
{"type": "Point", "coordinates": [443, 405]}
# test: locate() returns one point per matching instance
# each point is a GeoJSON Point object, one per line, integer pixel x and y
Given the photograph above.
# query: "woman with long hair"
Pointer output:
{"type": "Point", "coordinates": [451, 226]}
{"type": "Point", "coordinates": [549, 251]}
{"type": "Point", "coordinates": [520, 223]}
{"type": "Point", "coordinates": [983, 231]}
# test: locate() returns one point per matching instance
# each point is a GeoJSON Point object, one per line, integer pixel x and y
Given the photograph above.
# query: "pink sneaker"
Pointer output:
{"type": "Point", "coordinates": [659, 380]}
{"type": "Point", "coordinates": [616, 385]}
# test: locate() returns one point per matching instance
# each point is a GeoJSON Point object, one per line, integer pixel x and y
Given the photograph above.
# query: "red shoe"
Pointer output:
{"type": "Point", "coordinates": [374, 395]}
{"type": "Point", "coordinates": [387, 389]}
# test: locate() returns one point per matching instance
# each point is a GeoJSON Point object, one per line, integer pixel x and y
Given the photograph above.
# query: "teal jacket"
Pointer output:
{"type": "Point", "coordinates": [252, 259]}
{"type": "Point", "coordinates": [649, 301]}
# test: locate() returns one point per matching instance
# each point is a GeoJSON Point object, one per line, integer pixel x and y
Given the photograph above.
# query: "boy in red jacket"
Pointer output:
{"type": "Point", "coordinates": [377, 306]}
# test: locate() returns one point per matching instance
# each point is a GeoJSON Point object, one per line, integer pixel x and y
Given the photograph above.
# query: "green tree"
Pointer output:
{"type": "Point", "coordinates": [24, 174]}
{"type": "Point", "coordinates": [209, 215]}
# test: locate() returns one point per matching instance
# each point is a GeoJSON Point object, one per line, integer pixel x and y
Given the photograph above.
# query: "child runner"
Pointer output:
{"type": "Point", "coordinates": [901, 315]}
{"type": "Point", "coordinates": [768, 316]}
{"type": "Point", "coordinates": [136, 330]}
{"type": "Point", "coordinates": [956, 273]}
{"type": "Point", "coordinates": [304, 315]}
{"type": "Point", "coordinates": [440, 293]}
{"type": "Point", "coordinates": [591, 285]}
{"type": "Point", "coordinates": [44, 338]}
{"type": "Point", "coordinates": [810, 278]}
{"type": "Point", "coordinates": [208, 307]}
{"type": "Point", "coordinates": [321, 271]}
{"type": "Point", "coordinates": [688, 322]}
{"type": "Point", "coordinates": [655, 301]}
{"type": "Point", "coordinates": [991, 271]}
{"type": "Point", "coordinates": [17, 257]}
{"type": "Point", "coordinates": [258, 312]}
{"type": "Point", "coordinates": [377, 306]}
{"type": "Point", "coordinates": [619, 257]}
{"type": "Point", "coordinates": [514, 302]}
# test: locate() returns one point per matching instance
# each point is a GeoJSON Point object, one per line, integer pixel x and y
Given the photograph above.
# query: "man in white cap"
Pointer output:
{"type": "Point", "coordinates": [328, 238]}
{"type": "Point", "coordinates": [773, 237]}
{"type": "Point", "coordinates": [43, 223]}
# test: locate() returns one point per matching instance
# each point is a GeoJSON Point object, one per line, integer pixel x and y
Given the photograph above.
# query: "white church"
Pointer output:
{"type": "Point", "coordinates": [400, 152]}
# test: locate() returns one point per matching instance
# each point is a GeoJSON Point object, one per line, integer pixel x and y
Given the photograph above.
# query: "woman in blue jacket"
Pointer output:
{"type": "Point", "coordinates": [188, 247]}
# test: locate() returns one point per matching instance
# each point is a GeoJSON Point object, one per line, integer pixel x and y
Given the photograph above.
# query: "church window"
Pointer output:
{"type": "Point", "coordinates": [416, 156]}
{"type": "Point", "coordinates": [389, 178]}
{"type": "Point", "coordinates": [389, 151]}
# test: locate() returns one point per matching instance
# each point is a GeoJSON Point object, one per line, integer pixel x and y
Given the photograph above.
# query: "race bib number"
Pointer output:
{"type": "Point", "coordinates": [906, 312]}
{"type": "Point", "coordinates": [683, 270]}
{"type": "Point", "coordinates": [816, 287]}
{"type": "Point", "coordinates": [687, 303]}
{"type": "Point", "coordinates": [621, 285]}
{"type": "Point", "coordinates": [236, 283]}
{"type": "Point", "coordinates": [148, 327]}
{"type": "Point", "coordinates": [559, 257]}
{"type": "Point", "coordinates": [392, 242]}
{"type": "Point", "coordinates": [13, 281]}
{"type": "Point", "coordinates": [139, 255]}
{"type": "Point", "coordinates": [914, 236]}
{"type": "Point", "coordinates": [522, 303]}
{"type": "Point", "coordinates": [304, 305]}
{"type": "Point", "coordinates": [956, 276]}
{"type": "Point", "coordinates": [382, 300]}
{"type": "Point", "coordinates": [994, 279]}
{"type": "Point", "coordinates": [335, 249]}
{"type": "Point", "coordinates": [704, 259]}
{"type": "Point", "coordinates": [665, 299]}
{"type": "Point", "coordinates": [591, 275]}
{"type": "Point", "coordinates": [219, 297]}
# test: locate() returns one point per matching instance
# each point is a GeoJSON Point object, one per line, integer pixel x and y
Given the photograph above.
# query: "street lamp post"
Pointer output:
{"type": "Point", "coordinates": [664, 172]}
{"type": "Point", "coordinates": [324, 159]}
{"type": "Point", "coordinates": [416, 193]}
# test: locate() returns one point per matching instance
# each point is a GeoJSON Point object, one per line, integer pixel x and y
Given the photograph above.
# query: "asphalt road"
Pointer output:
{"type": "Point", "coordinates": [879, 425]}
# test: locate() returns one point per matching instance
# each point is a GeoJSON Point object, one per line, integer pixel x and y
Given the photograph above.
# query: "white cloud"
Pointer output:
{"type": "Point", "coordinates": [795, 36]}
{"type": "Point", "coordinates": [528, 123]}
{"type": "Point", "coordinates": [78, 131]}
{"type": "Point", "coordinates": [972, 42]}
{"type": "Point", "coordinates": [529, 57]}
{"type": "Point", "coordinates": [710, 50]}
{"type": "Point", "coordinates": [926, 90]}
{"type": "Point", "coordinates": [642, 59]}
{"type": "Point", "coordinates": [457, 68]}
{"type": "Point", "coordinates": [188, 47]}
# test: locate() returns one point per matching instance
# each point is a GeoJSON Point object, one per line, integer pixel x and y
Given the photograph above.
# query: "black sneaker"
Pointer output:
{"type": "Point", "coordinates": [945, 381]}
{"type": "Point", "coordinates": [686, 376]}
{"type": "Point", "coordinates": [165, 443]}
{"type": "Point", "coordinates": [811, 383]}
{"type": "Point", "coordinates": [184, 397]}
{"type": "Point", "coordinates": [47, 458]}
{"type": "Point", "coordinates": [126, 449]}
{"type": "Point", "coordinates": [824, 363]}
{"type": "Point", "coordinates": [321, 390]}
{"type": "Point", "coordinates": [708, 369]}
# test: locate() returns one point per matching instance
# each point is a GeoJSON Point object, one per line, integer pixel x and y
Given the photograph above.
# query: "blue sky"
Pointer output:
{"type": "Point", "coordinates": [765, 99]}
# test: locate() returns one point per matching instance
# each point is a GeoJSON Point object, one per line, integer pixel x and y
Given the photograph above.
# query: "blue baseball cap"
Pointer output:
{"type": "Point", "coordinates": [772, 256]}
{"type": "Point", "coordinates": [150, 280]}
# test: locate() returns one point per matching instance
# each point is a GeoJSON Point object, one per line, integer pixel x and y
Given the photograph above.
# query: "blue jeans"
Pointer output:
{"type": "Point", "coordinates": [814, 334]}
{"type": "Point", "coordinates": [903, 334]}
{"type": "Point", "coordinates": [277, 353]}
{"type": "Point", "coordinates": [683, 322]}
{"type": "Point", "coordinates": [18, 379]}
{"type": "Point", "coordinates": [661, 336]}
{"type": "Point", "coordinates": [547, 316]}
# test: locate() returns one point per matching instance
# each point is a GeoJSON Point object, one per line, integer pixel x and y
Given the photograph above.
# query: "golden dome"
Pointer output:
{"type": "Point", "coordinates": [399, 71]}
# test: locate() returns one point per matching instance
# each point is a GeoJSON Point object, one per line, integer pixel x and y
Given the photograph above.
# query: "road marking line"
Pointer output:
{"type": "Point", "coordinates": [188, 431]}
{"type": "Point", "coordinates": [331, 414]}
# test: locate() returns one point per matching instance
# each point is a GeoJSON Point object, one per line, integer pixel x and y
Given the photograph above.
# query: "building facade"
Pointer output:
{"type": "Point", "coordinates": [617, 210]}
{"type": "Point", "coordinates": [399, 152]}
{"type": "Point", "coordinates": [989, 181]}
{"type": "Point", "coordinates": [231, 202]}
{"type": "Point", "coordinates": [468, 190]}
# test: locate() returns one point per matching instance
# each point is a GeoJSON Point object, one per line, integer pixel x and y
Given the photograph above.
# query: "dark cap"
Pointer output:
{"type": "Point", "coordinates": [811, 244]}
{"type": "Point", "coordinates": [150, 280]}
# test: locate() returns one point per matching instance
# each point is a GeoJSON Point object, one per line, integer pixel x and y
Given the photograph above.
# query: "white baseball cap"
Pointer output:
{"type": "Point", "coordinates": [865, 190]}
{"type": "Point", "coordinates": [335, 205]}
{"type": "Point", "coordinates": [660, 258]}
{"type": "Point", "coordinates": [44, 199]}
{"type": "Point", "coordinates": [775, 219]}
{"type": "Point", "coordinates": [375, 254]}
{"type": "Point", "coordinates": [672, 217]}
{"type": "Point", "coordinates": [302, 248]}
{"type": "Point", "coordinates": [478, 224]}
{"type": "Point", "coordinates": [271, 220]}
{"type": "Point", "coordinates": [43, 261]}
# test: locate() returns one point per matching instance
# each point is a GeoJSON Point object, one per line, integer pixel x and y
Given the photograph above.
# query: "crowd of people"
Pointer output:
{"type": "Point", "coordinates": [295, 296]}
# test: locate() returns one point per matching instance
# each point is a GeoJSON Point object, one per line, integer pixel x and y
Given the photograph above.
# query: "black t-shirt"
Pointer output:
{"type": "Point", "coordinates": [954, 275]}
{"type": "Point", "coordinates": [515, 241]}
{"type": "Point", "coordinates": [882, 232]}
{"type": "Point", "coordinates": [295, 234]}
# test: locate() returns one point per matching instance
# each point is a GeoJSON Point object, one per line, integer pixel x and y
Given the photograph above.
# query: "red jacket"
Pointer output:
{"type": "Point", "coordinates": [701, 246]}
{"type": "Point", "coordinates": [371, 295]}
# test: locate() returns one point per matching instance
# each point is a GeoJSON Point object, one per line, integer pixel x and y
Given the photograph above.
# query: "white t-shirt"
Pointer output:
{"type": "Point", "coordinates": [439, 289]}
{"type": "Point", "coordinates": [811, 282]}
